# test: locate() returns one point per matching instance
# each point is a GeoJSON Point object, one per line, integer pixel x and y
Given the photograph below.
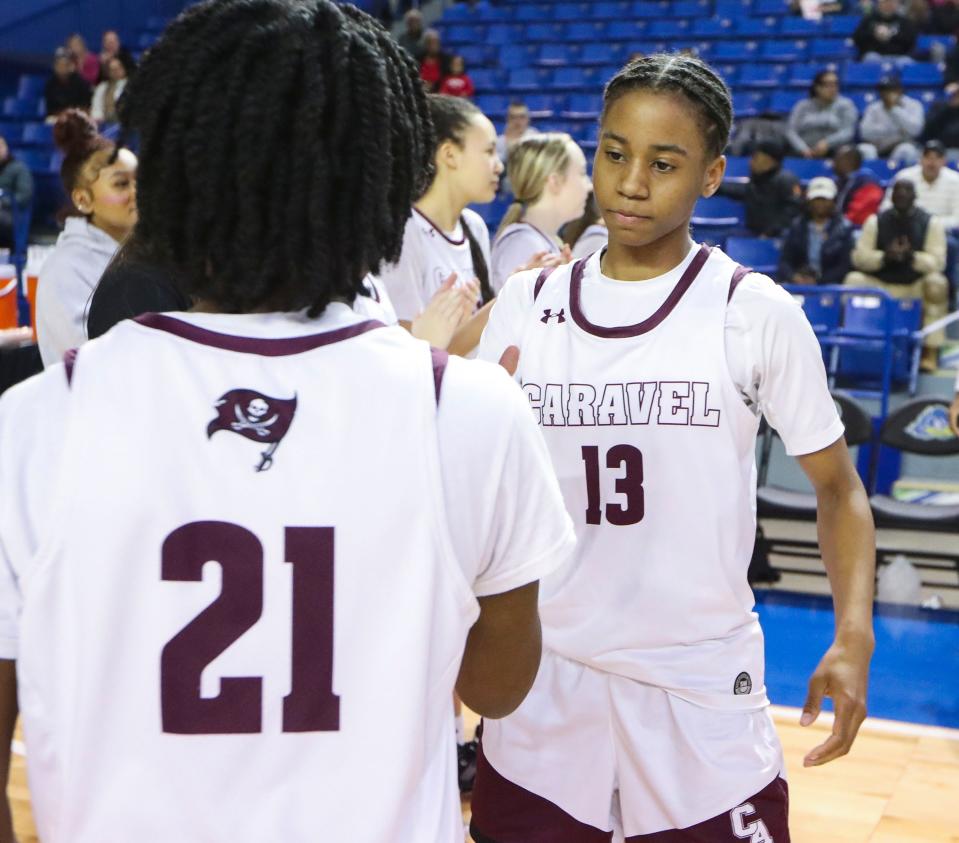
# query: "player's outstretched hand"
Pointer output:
{"type": "Point", "coordinates": [954, 415]}
{"type": "Point", "coordinates": [542, 260]}
{"type": "Point", "coordinates": [509, 360]}
{"type": "Point", "coordinates": [444, 314]}
{"type": "Point", "coordinates": [843, 675]}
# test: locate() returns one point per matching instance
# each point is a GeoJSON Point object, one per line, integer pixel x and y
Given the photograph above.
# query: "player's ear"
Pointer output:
{"type": "Point", "coordinates": [713, 177]}
{"type": "Point", "coordinates": [448, 154]}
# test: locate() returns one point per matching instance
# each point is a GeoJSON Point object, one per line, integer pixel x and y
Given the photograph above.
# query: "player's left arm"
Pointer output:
{"type": "Point", "coordinates": [847, 542]}
{"type": "Point", "coordinates": [8, 719]}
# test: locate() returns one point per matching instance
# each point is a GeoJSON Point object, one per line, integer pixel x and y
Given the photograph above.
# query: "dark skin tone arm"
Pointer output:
{"type": "Point", "coordinates": [847, 540]}
{"type": "Point", "coordinates": [954, 414]}
{"type": "Point", "coordinates": [8, 720]}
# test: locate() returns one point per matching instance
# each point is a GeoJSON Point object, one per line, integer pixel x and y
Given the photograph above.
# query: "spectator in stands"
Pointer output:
{"type": "Point", "coordinates": [517, 129]}
{"type": "Point", "coordinates": [823, 121]}
{"type": "Point", "coordinates": [943, 17]}
{"type": "Point", "coordinates": [937, 187]}
{"type": "Point", "coordinates": [16, 185]}
{"type": "Point", "coordinates": [458, 83]}
{"type": "Point", "coordinates": [892, 124]}
{"type": "Point", "coordinates": [411, 39]}
{"type": "Point", "coordinates": [435, 64]}
{"type": "Point", "coordinates": [818, 244]}
{"type": "Point", "coordinates": [860, 193]}
{"type": "Point", "coordinates": [111, 48]}
{"type": "Point", "coordinates": [550, 185]}
{"type": "Point", "coordinates": [886, 34]}
{"type": "Point", "coordinates": [88, 65]}
{"type": "Point", "coordinates": [903, 251]}
{"type": "Point", "coordinates": [942, 122]}
{"type": "Point", "coordinates": [65, 88]}
{"type": "Point", "coordinates": [772, 198]}
{"type": "Point", "coordinates": [107, 94]}
{"type": "Point", "coordinates": [100, 181]}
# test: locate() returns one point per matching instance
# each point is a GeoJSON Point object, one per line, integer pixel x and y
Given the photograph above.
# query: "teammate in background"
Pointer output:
{"type": "Point", "coordinates": [443, 237]}
{"type": "Point", "coordinates": [225, 532]}
{"type": "Point", "coordinates": [649, 366]}
{"type": "Point", "coordinates": [550, 186]}
{"type": "Point", "coordinates": [588, 234]}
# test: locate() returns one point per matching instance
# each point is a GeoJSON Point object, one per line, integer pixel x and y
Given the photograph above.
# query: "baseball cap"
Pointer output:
{"type": "Point", "coordinates": [821, 187]}
{"type": "Point", "coordinates": [890, 82]}
{"type": "Point", "coordinates": [934, 146]}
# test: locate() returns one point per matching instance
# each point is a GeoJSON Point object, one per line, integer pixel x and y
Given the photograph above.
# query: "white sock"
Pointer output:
{"type": "Point", "coordinates": [460, 730]}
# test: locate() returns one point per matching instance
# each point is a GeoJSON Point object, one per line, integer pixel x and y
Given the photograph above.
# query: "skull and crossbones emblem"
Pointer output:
{"type": "Point", "coordinates": [254, 418]}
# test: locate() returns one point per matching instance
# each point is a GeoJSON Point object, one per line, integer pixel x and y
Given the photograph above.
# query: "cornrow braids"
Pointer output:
{"type": "Point", "coordinates": [282, 144]}
{"type": "Point", "coordinates": [686, 75]}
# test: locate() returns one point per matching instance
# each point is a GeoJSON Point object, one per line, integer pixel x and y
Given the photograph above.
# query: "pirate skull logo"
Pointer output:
{"type": "Point", "coordinates": [256, 409]}
{"type": "Point", "coordinates": [254, 418]}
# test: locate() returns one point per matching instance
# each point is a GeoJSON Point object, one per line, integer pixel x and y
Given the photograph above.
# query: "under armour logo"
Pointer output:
{"type": "Point", "coordinates": [548, 314]}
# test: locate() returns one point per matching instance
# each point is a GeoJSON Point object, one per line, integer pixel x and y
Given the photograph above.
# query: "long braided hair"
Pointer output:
{"type": "Point", "coordinates": [688, 76]}
{"type": "Point", "coordinates": [282, 145]}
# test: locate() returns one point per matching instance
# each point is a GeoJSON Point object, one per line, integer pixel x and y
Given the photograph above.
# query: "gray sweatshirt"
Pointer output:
{"type": "Point", "coordinates": [886, 128]}
{"type": "Point", "coordinates": [811, 121]}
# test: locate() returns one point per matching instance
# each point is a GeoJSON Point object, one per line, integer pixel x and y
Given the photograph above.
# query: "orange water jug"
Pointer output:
{"type": "Point", "coordinates": [8, 296]}
{"type": "Point", "coordinates": [32, 279]}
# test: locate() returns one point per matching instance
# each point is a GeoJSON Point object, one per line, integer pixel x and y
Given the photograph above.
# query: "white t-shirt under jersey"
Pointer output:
{"type": "Point", "coordinates": [429, 256]}
{"type": "Point", "coordinates": [514, 247]}
{"type": "Point", "coordinates": [772, 353]}
{"type": "Point", "coordinates": [87, 608]}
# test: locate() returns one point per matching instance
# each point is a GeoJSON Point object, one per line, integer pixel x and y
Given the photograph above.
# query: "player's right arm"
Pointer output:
{"type": "Point", "coordinates": [508, 525]}
{"type": "Point", "coordinates": [508, 317]}
{"type": "Point", "coordinates": [8, 719]}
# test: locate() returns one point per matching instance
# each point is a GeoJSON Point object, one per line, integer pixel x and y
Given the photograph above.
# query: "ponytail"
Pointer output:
{"type": "Point", "coordinates": [479, 263]}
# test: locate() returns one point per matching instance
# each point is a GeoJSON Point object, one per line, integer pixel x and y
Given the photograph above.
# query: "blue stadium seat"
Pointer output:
{"type": "Point", "coordinates": [772, 7]}
{"type": "Point", "coordinates": [11, 132]}
{"type": "Point", "coordinates": [733, 9]}
{"type": "Point", "coordinates": [547, 33]}
{"type": "Point", "coordinates": [36, 159]}
{"type": "Point", "coordinates": [783, 102]}
{"type": "Point", "coordinates": [761, 76]}
{"type": "Point", "coordinates": [457, 14]}
{"type": "Point", "coordinates": [26, 109]}
{"type": "Point", "coordinates": [586, 106]}
{"type": "Point", "coordinates": [842, 26]}
{"type": "Point", "coordinates": [926, 97]}
{"type": "Point", "coordinates": [532, 12]}
{"type": "Point", "coordinates": [604, 74]}
{"type": "Point", "coordinates": [476, 55]}
{"type": "Point", "coordinates": [832, 49]}
{"type": "Point", "coordinates": [784, 51]}
{"type": "Point", "coordinates": [38, 134]}
{"type": "Point", "coordinates": [822, 309]}
{"type": "Point", "coordinates": [921, 75]}
{"type": "Point", "coordinates": [585, 132]}
{"type": "Point", "coordinates": [464, 33]}
{"type": "Point", "coordinates": [527, 79]}
{"type": "Point", "coordinates": [862, 99]}
{"type": "Point", "coordinates": [558, 55]}
{"type": "Point", "coordinates": [748, 104]}
{"type": "Point", "coordinates": [492, 105]}
{"type": "Point", "coordinates": [718, 211]}
{"type": "Point", "coordinates": [588, 31]}
{"type": "Point", "coordinates": [862, 315]}
{"type": "Point", "coordinates": [146, 40]}
{"type": "Point", "coordinates": [487, 79]}
{"type": "Point", "coordinates": [498, 34]}
{"type": "Point", "coordinates": [31, 87]}
{"type": "Point", "coordinates": [571, 11]}
{"type": "Point", "coordinates": [925, 43]}
{"type": "Point", "coordinates": [801, 28]}
{"type": "Point", "coordinates": [756, 27]}
{"type": "Point", "coordinates": [601, 53]}
{"type": "Point", "coordinates": [726, 51]}
{"type": "Point", "coordinates": [609, 10]}
{"type": "Point", "coordinates": [516, 55]}
{"type": "Point", "coordinates": [884, 170]}
{"type": "Point", "coordinates": [625, 30]}
{"type": "Point", "coordinates": [862, 75]}
{"type": "Point", "coordinates": [760, 255]}
{"type": "Point", "coordinates": [649, 10]}
{"type": "Point", "coordinates": [801, 75]}
{"type": "Point", "coordinates": [806, 169]}
{"type": "Point", "coordinates": [711, 28]}
{"type": "Point", "coordinates": [541, 106]}
{"type": "Point", "coordinates": [573, 78]}
{"type": "Point", "coordinates": [737, 169]}
{"type": "Point", "coordinates": [668, 30]}
{"type": "Point", "coordinates": [690, 9]}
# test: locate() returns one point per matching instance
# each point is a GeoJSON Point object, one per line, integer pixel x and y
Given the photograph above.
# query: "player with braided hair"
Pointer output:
{"type": "Point", "coordinates": [225, 531]}
{"type": "Point", "coordinates": [648, 366]}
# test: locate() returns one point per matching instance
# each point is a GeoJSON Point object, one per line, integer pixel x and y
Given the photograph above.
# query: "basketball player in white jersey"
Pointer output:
{"type": "Point", "coordinates": [550, 186]}
{"type": "Point", "coordinates": [648, 366]}
{"type": "Point", "coordinates": [444, 239]}
{"type": "Point", "coordinates": [233, 541]}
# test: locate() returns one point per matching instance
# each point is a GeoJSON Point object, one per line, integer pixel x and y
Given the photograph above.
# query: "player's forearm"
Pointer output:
{"type": "Point", "coordinates": [468, 337]}
{"type": "Point", "coordinates": [847, 540]}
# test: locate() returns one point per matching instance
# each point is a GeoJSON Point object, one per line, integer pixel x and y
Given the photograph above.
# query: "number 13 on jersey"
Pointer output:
{"type": "Point", "coordinates": [627, 459]}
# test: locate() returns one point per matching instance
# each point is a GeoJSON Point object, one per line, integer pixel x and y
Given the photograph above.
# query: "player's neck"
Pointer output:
{"type": "Point", "coordinates": [544, 218]}
{"type": "Point", "coordinates": [441, 204]}
{"type": "Point", "coordinates": [640, 263]}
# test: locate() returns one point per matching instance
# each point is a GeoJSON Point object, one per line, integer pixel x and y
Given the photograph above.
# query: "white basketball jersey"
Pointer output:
{"type": "Point", "coordinates": [238, 597]}
{"type": "Point", "coordinates": [654, 450]}
{"type": "Point", "coordinates": [514, 247]}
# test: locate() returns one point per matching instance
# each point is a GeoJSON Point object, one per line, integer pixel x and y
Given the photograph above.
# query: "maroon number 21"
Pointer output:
{"type": "Point", "coordinates": [630, 484]}
{"type": "Point", "coordinates": [311, 705]}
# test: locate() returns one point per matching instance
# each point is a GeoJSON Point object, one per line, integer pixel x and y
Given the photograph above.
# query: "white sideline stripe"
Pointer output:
{"type": "Point", "coordinates": [874, 724]}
